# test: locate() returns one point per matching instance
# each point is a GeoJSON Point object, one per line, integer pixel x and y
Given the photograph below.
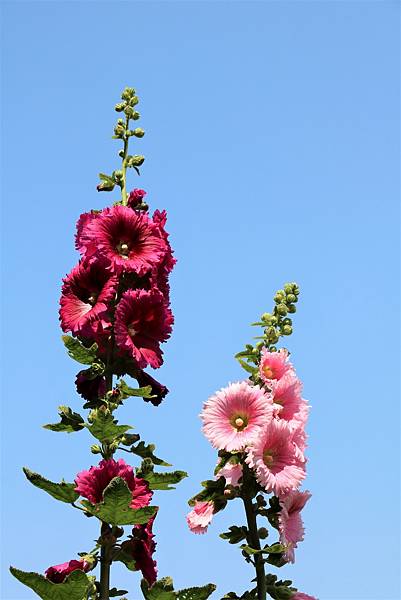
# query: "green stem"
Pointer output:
{"type": "Point", "coordinates": [253, 534]}
{"type": "Point", "coordinates": [105, 563]}
{"type": "Point", "coordinates": [124, 169]}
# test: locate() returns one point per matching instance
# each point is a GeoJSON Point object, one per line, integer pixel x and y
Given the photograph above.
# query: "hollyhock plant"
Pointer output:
{"type": "Point", "coordinates": [290, 521]}
{"type": "Point", "coordinates": [200, 517]}
{"type": "Point", "coordinates": [58, 573]}
{"type": "Point", "coordinates": [258, 427]}
{"type": "Point", "coordinates": [142, 321]}
{"type": "Point", "coordinates": [91, 484]}
{"type": "Point", "coordinates": [86, 295]}
{"type": "Point", "coordinates": [273, 365]}
{"type": "Point", "coordinates": [128, 239]}
{"type": "Point", "coordinates": [274, 459]}
{"type": "Point", "coordinates": [233, 417]}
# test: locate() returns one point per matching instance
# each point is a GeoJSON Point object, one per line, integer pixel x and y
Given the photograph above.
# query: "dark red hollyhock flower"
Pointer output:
{"type": "Point", "coordinates": [143, 320]}
{"type": "Point", "coordinates": [141, 548]}
{"type": "Point", "coordinates": [90, 389]}
{"type": "Point", "coordinates": [135, 197]}
{"type": "Point", "coordinates": [83, 220]}
{"type": "Point", "coordinates": [91, 484]}
{"type": "Point", "coordinates": [86, 293]}
{"type": "Point", "coordinates": [128, 239]}
{"type": "Point", "coordinates": [159, 390]}
{"type": "Point", "coordinates": [161, 272]}
{"type": "Point", "coordinates": [58, 573]}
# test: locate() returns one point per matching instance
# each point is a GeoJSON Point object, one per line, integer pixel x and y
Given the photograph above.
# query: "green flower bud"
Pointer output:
{"type": "Point", "coordinates": [292, 308]}
{"type": "Point", "coordinates": [259, 345]}
{"type": "Point", "coordinates": [128, 93]}
{"type": "Point", "coordinates": [262, 533]}
{"type": "Point", "coordinates": [133, 101]}
{"type": "Point", "coordinates": [129, 111]}
{"type": "Point", "coordinates": [287, 329]}
{"type": "Point", "coordinates": [287, 321]}
{"type": "Point", "coordinates": [282, 309]}
{"type": "Point", "coordinates": [118, 175]}
{"type": "Point", "coordinates": [119, 107]}
{"type": "Point", "coordinates": [295, 289]}
{"type": "Point", "coordinates": [288, 288]}
{"type": "Point", "coordinates": [121, 154]}
{"type": "Point", "coordinates": [266, 317]}
{"type": "Point", "coordinates": [135, 116]}
{"type": "Point", "coordinates": [291, 298]}
{"type": "Point", "coordinates": [137, 161]}
{"type": "Point", "coordinates": [96, 449]}
{"type": "Point", "coordinates": [279, 297]}
{"type": "Point", "coordinates": [249, 347]}
{"type": "Point", "coordinates": [260, 501]}
{"type": "Point", "coordinates": [138, 132]}
{"type": "Point", "coordinates": [273, 349]}
{"type": "Point", "coordinates": [119, 131]}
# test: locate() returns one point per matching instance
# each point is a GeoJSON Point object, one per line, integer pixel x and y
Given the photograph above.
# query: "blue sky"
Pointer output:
{"type": "Point", "coordinates": [272, 139]}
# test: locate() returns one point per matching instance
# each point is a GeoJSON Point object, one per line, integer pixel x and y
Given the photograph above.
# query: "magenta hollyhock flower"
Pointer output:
{"type": "Point", "coordinates": [287, 396]}
{"type": "Point", "coordinates": [128, 239]}
{"type": "Point", "coordinates": [274, 458]}
{"type": "Point", "coordinates": [290, 522]}
{"type": "Point", "coordinates": [159, 391]}
{"type": "Point", "coordinates": [302, 596]}
{"type": "Point", "coordinates": [90, 389]}
{"type": "Point", "coordinates": [58, 573]}
{"type": "Point", "coordinates": [142, 321]}
{"type": "Point", "coordinates": [141, 547]}
{"type": "Point", "coordinates": [273, 365]}
{"type": "Point", "coordinates": [233, 416]}
{"type": "Point", "coordinates": [162, 270]}
{"type": "Point", "coordinates": [86, 294]}
{"type": "Point", "coordinates": [91, 484]}
{"type": "Point", "coordinates": [232, 473]}
{"type": "Point", "coordinates": [135, 197]}
{"type": "Point", "coordinates": [82, 222]}
{"type": "Point", "coordinates": [200, 517]}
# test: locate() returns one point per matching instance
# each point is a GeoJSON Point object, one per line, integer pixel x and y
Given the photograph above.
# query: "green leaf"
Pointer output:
{"type": "Point", "coordinates": [214, 490]}
{"type": "Point", "coordinates": [78, 351]}
{"type": "Point", "coordinates": [126, 391]}
{"type": "Point", "coordinates": [164, 481]}
{"type": "Point", "coordinates": [235, 534]}
{"type": "Point", "coordinates": [60, 491]}
{"type": "Point", "coordinates": [247, 367]}
{"type": "Point", "coordinates": [104, 427]}
{"type": "Point", "coordinates": [164, 590]}
{"type": "Point", "coordinates": [115, 508]}
{"type": "Point", "coordinates": [274, 549]}
{"type": "Point", "coordinates": [147, 452]}
{"type": "Point", "coordinates": [160, 590]}
{"type": "Point", "coordinates": [70, 421]}
{"type": "Point", "coordinates": [76, 585]}
{"type": "Point", "coordinates": [115, 592]}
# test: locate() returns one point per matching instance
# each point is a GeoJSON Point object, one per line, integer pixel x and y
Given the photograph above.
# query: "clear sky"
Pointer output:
{"type": "Point", "coordinates": [272, 139]}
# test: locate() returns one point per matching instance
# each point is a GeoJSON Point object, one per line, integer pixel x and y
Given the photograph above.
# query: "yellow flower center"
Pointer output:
{"type": "Point", "coordinates": [268, 458]}
{"type": "Point", "coordinates": [268, 372]}
{"type": "Point", "coordinates": [239, 422]}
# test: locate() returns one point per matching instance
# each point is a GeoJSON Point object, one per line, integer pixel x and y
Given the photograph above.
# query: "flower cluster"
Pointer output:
{"type": "Point", "coordinates": [118, 293]}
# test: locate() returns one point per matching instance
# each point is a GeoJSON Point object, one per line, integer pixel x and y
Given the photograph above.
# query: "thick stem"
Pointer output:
{"type": "Point", "coordinates": [253, 534]}
{"type": "Point", "coordinates": [105, 564]}
{"type": "Point", "coordinates": [124, 169]}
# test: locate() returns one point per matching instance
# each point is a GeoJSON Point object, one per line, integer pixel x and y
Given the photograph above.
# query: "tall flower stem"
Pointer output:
{"type": "Point", "coordinates": [253, 537]}
{"type": "Point", "coordinates": [105, 564]}
{"type": "Point", "coordinates": [124, 165]}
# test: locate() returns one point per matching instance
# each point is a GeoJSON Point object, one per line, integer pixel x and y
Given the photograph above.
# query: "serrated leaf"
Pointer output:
{"type": "Point", "coordinates": [115, 508]}
{"type": "Point", "coordinates": [127, 391]}
{"type": "Point", "coordinates": [64, 492]}
{"type": "Point", "coordinates": [164, 481]}
{"type": "Point", "coordinates": [274, 549]}
{"type": "Point", "coordinates": [70, 421]}
{"type": "Point", "coordinates": [196, 593]}
{"type": "Point", "coordinates": [106, 178]}
{"type": "Point", "coordinates": [105, 429]}
{"type": "Point", "coordinates": [147, 452]}
{"type": "Point", "coordinates": [76, 585]}
{"type": "Point", "coordinates": [247, 367]}
{"type": "Point", "coordinates": [160, 590]}
{"type": "Point", "coordinates": [234, 534]}
{"type": "Point", "coordinates": [78, 351]}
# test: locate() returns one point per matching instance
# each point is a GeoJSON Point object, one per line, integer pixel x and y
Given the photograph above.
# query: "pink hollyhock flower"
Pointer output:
{"type": "Point", "coordinates": [299, 438]}
{"type": "Point", "coordinates": [142, 321]}
{"type": "Point", "coordinates": [129, 239]}
{"type": "Point", "coordinates": [273, 365]}
{"type": "Point", "coordinates": [302, 596]}
{"type": "Point", "coordinates": [90, 389]}
{"type": "Point", "coordinates": [159, 391]}
{"type": "Point", "coordinates": [86, 294]}
{"type": "Point", "coordinates": [91, 484]}
{"type": "Point", "coordinates": [141, 547]}
{"type": "Point", "coordinates": [233, 417]}
{"type": "Point", "coordinates": [200, 517]}
{"type": "Point", "coordinates": [290, 522]}
{"type": "Point", "coordinates": [135, 197]}
{"type": "Point", "coordinates": [287, 397]}
{"type": "Point", "coordinates": [58, 573]}
{"type": "Point", "coordinates": [274, 458]}
{"type": "Point", "coordinates": [231, 473]}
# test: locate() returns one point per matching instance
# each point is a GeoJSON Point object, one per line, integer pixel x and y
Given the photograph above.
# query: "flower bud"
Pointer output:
{"type": "Point", "coordinates": [119, 130]}
{"type": "Point", "coordinates": [288, 288]}
{"type": "Point", "coordinates": [281, 309]}
{"type": "Point", "coordinates": [287, 329]}
{"type": "Point", "coordinates": [96, 449]}
{"type": "Point", "coordinates": [279, 297]}
{"type": "Point", "coordinates": [292, 308]}
{"type": "Point", "coordinates": [136, 161]}
{"type": "Point", "coordinates": [260, 501]}
{"type": "Point", "coordinates": [262, 533]}
{"type": "Point", "coordinates": [273, 349]}
{"type": "Point", "coordinates": [119, 107]}
{"type": "Point", "coordinates": [259, 345]}
{"type": "Point", "coordinates": [266, 317]}
{"type": "Point", "coordinates": [138, 132]}
{"type": "Point", "coordinates": [129, 111]}
{"type": "Point", "coordinates": [287, 321]}
{"type": "Point", "coordinates": [128, 93]}
{"type": "Point", "coordinates": [135, 116]}
{"type": "Point", "coordinates": [133, 101]}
